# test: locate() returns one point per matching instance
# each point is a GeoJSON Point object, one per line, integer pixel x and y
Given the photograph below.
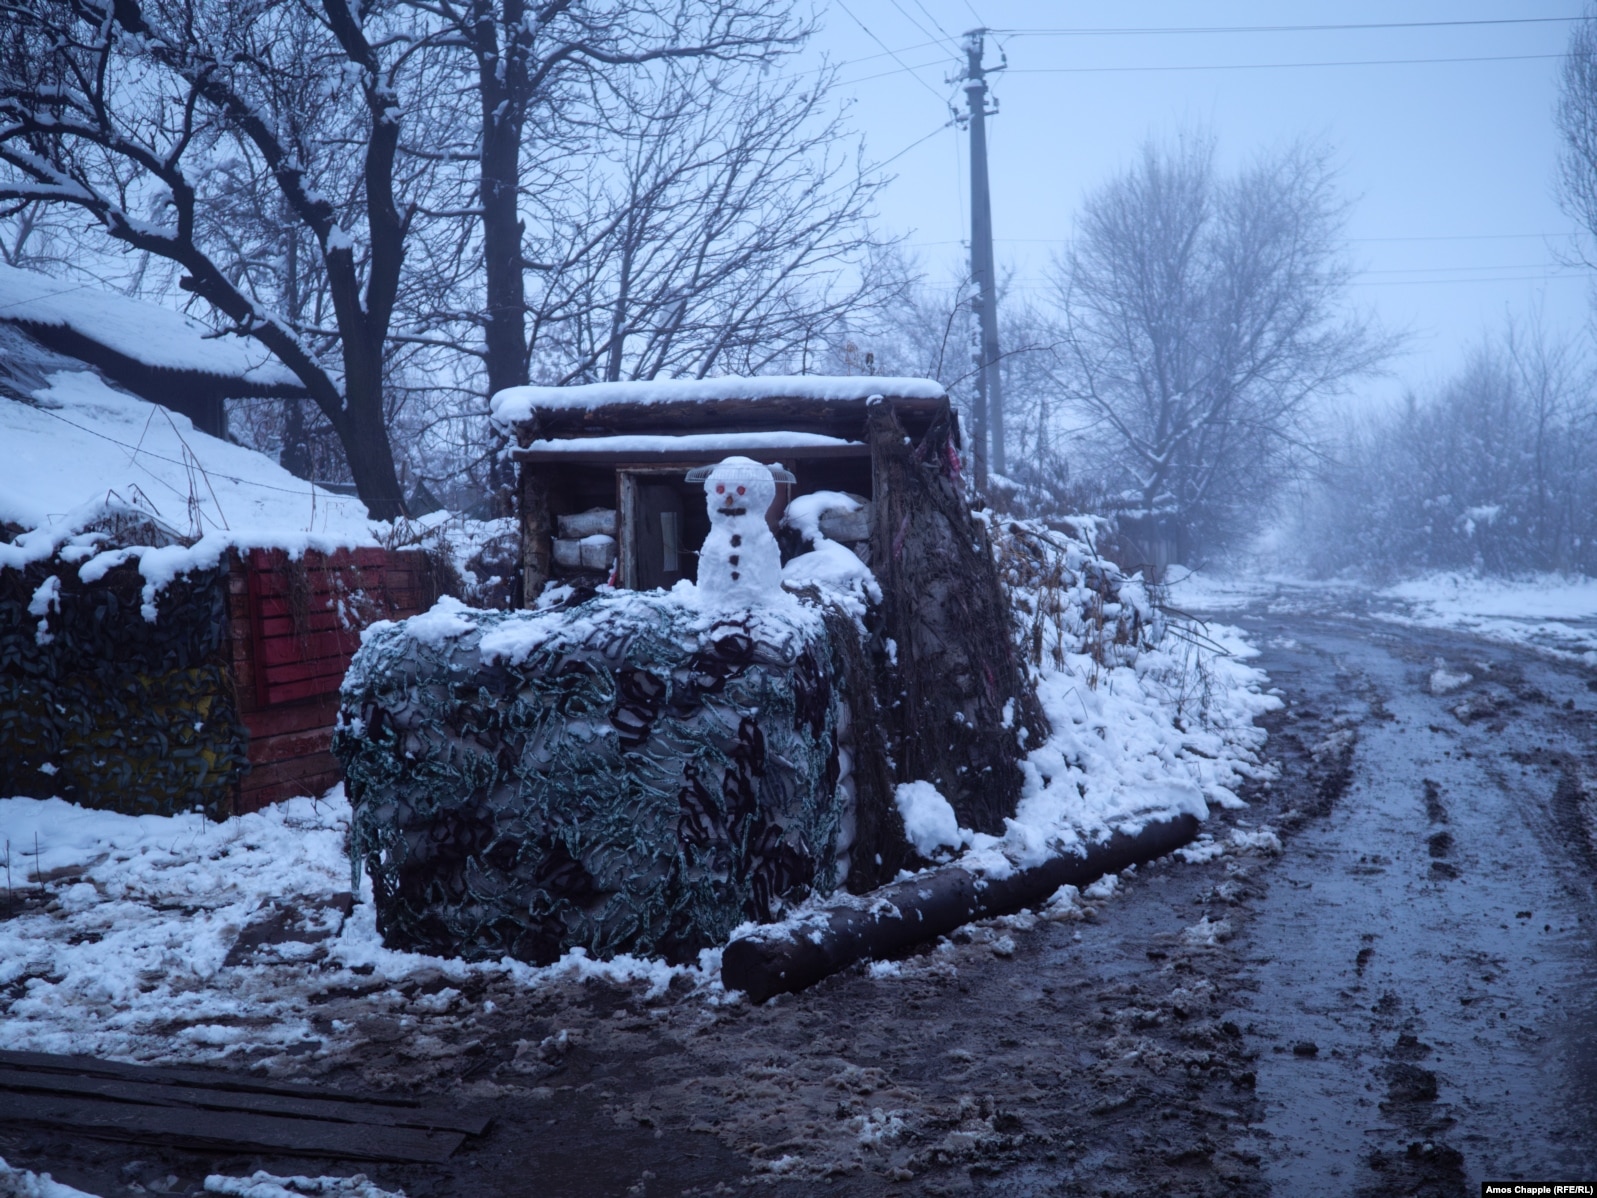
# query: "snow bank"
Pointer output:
{"type": "Point", "coordinates": [23, 1183]}
{"type": "Point", "coordinates": [1149, 720]}
{"type": "Point", "coordinates": [515, 404]}
{"type": "Point", "coordinates": [136, 329]}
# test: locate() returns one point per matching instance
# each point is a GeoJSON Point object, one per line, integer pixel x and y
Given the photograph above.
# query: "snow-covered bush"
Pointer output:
{"type": "Point", "coordinates": [1067, 599]}
{"type": "Point", "coordinates": [1495, 472]}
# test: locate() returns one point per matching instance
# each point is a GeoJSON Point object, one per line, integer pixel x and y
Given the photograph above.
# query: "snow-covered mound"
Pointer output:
{"type": "Point", "coordinates": [1150, 719]}
{"type": "Point", "coordinates": [640, 772]}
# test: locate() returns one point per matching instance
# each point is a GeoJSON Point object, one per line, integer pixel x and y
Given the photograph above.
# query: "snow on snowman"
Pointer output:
{"type": "Point", "coordinates": [740, 564]}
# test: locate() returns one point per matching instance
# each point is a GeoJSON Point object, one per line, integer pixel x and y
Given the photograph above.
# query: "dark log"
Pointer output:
{"type": "Point", "coordinates": [841, 417]}
{"type": "Point", "coordinates": [895, 917]}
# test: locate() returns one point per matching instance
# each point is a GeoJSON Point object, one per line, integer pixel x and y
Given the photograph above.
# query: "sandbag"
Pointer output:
{"type": "Point", "coordinates": [628, 774]}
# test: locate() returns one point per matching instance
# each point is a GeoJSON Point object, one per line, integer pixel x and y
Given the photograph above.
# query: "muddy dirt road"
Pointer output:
{"type": "Point", "coordinates": [1378, 978]}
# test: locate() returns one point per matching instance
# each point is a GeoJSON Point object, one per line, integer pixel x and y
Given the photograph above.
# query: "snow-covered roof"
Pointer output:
{"type": "Point", "coordinates": [690, 445]}
{"type": "Point", "coordinates": [517, 404]}
{"type": "Point", "coordinates": [85, 450]}
{"type": "Point", "coordinates": [144, 333]}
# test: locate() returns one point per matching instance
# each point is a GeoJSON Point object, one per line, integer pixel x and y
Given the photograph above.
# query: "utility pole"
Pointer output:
{"type": "Point", "coordinates": [988, 410]}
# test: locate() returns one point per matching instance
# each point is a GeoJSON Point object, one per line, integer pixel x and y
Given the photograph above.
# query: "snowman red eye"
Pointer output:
{"type": "Point", "coordinates": [720, 488]}
{"type": "Point", "coordinates": [741, 490]}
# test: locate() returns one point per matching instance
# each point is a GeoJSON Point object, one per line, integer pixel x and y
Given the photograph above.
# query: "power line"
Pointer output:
{"type": "Point", "coordinates": [1426, 270]}
{"type": "Point", "coordinates": [887, 52]}
{"type": "Point", "coordinates": [1237, 66]}
{"type": "Point", "coordinates": [1543, 278]}
{"type": "Point", "coordinates": [903, 12]}
{"type": "Point", "coordinates": [899, 70]}
{"type": "Point", "coordinates": [1351, 240]}
{"type": "Point", "coordinates": [936, 24]}
{"type": "Point", "coordinates": [941, 98]}
{"type": "Point", "coordinates": [918, 141]}
{"type": "Point", "coordinates": [1122, 31]}
{"type": "Point", "coordinates": [1271, 66]}
{"type": "Point", "coordinates": [1464, 237]}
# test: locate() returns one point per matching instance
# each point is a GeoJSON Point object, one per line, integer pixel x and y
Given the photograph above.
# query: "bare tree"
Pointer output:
{"type": "Point", "coordinates": [1496, 470]}
{"type": "Point", "coordinates": [1577, 127]}
{"type": "Point", "coordinates": [542, 70]}
{"type": "Point", "coordinates": [676, 206]}
{"type": "Point", "coordinates": [1202, 320]}
{"type": "Point", "coordinates": [731, 234]}
{"type": "Point", "coordinates": [123, 109]}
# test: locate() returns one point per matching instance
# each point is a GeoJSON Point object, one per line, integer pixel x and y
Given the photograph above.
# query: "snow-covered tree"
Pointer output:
{"type": "Point", "coordinates": [135, 112]}
{"type": "Point", "coordinates": [1203, 319]}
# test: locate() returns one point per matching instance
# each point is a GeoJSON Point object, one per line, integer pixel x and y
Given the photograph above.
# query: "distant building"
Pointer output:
{"type": "Point", "coordinates": [156, 353]}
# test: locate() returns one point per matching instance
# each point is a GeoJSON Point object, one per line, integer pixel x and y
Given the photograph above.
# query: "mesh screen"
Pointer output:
{"type": "Point", "coordinates": [109, 710]}
{"type": "Point", "coordinates": [626, 775]}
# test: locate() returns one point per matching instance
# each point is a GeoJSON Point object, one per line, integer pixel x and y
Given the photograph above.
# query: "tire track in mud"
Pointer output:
{"type": "Point", "coordinates": [1428, 942]}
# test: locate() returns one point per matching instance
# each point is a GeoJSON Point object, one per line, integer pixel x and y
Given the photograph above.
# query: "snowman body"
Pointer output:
{"type": "Point", "coordinates": [740, 564]}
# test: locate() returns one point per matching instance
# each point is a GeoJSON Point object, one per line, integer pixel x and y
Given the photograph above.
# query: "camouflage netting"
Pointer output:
{"type": "Point", "coordinates": [107, 709]}
{"type": "Point", "coordinates": [626, 774]}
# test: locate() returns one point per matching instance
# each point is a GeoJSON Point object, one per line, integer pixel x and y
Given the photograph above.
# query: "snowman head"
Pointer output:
{"type": "Point", "coordinates": [739, 487]}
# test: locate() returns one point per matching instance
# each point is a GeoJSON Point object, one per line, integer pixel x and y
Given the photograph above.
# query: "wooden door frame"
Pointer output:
{"type": "Point", "coordinates": [627, 480]}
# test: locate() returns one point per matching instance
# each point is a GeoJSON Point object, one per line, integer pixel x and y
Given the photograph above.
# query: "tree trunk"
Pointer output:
{"type": "Point", "coordinates": [369, 453]}
{"type": "Point", "coordinates": [958, 696]}
{"type": "Point", "coordinates": [501, 83]}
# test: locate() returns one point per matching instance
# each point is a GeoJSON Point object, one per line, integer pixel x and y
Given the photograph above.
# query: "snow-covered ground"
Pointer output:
{"type": "Point", "coordinates": [122, 928]}
{"type": "Point", "coordinates": [24, 1183]}
{"type": "Point", "coordinates": [144, 937]}
{"type": "Point", "coordinates": [1551, 612]}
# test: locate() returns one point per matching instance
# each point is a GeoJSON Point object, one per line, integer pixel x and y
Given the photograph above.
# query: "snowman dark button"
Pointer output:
{"type": "Point", "coordinates": [732, 559]}
{"type": "Point", "coordinates": [737, 540]}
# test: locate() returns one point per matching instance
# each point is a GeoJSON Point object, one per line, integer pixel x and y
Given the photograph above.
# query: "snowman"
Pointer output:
{"type": "Point", "coordinates": [740, 565]}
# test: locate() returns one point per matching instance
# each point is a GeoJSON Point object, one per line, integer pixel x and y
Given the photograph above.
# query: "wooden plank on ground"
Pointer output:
{"type": "Point", "coordinates": [219, 1079]}
{"type": "Point", "coordinates": [229, 1131]}
{"type": "Point", "coordinates": [150, 1093]}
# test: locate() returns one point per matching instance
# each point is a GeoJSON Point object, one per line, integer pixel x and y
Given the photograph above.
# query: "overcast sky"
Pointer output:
{"type": "Point", "coordinates": [1450, 163]}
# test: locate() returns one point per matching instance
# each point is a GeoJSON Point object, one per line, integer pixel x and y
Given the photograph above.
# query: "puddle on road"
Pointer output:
{"type": "Point", "coordinates": [1441, 971]}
